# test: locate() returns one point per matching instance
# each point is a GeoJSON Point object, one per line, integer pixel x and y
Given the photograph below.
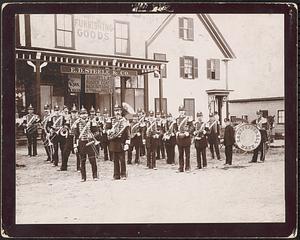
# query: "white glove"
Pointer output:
{"type": "Point", "coordinates": [204, 132]}
{"type": "Point", "coordinates": [144, 141]}
{"type": "Point", "coordinates": [186, 134]}
{"type": "Point", "coordinates": [126, 147]}
{"type": "Point", "coordinates": [138, 134]}
{"type": "Point", "coordinates": [127, 142]}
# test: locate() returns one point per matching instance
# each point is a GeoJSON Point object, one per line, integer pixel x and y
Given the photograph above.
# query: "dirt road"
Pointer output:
{"type": "Point", "coordinates": [244, 192]}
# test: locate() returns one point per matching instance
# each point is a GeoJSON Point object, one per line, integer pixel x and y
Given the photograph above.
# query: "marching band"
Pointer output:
{"type": "Point", "coordinates": [87, 134]}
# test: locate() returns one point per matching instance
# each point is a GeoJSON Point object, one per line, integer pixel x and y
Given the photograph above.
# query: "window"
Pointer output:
{"type": "Point", "coordinates": [164, 105]}
{"type": "Point", "coordinates": [189, 106]}
{"type": "Point", "coordinates": [188, 67]}
{"type": "Point", "coordinates": [213, 69]}
{"type": "Point", "coordinates": [280, 117]}
{"type": "Point", "coordinates": [186, 28]}
{"type": "Point", "coordinates": [122, 38]}
{"type": "Point", "coordinates": [64, 31]}
{"type": "Point", "coordinates": [160, 56]}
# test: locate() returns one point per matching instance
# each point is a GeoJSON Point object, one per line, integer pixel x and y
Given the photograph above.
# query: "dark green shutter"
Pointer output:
{"type": "Point", "coordinates": [180, 27]}
{"type": "Point", "coordinates": [208, 64]}
{"type": "Point", "coordinates": [195, 68]}
{"type": "Point", "coordinates": [181, 67]}
{"type": "Point", "coordinates": [217, 70]}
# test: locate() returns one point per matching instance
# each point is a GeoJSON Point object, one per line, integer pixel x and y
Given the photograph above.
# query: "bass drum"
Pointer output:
{"type": "Point", "coordinates": [247, 136]}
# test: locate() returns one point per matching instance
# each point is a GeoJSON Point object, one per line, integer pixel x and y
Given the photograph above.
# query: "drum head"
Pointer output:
{"type": "Point", "coordinates": [247, 137]}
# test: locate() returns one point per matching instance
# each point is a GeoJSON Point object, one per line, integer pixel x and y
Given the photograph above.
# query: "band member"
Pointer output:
{"type": "Point", "coordinates": [200, 140]}
{"type": "Point", "coordinates": [69, 126]}
{"type": "Point", "coordinates": [142, 115]}
{"type": "Point", "coordinates": [118, 137]}
{"type": "Point", "coordinates": [46, 123]}
{"type": "Point", "coordinates": [160, 118]}
{"type": "Point", "coordinates": [58, 134]}
{"type": "Point", "coordinates": [213, 137]}
{"type": "Point", "coordinates": [183, 139]}
{"type": "Point", "coordinates": [107, 124]}
{"type": "Point", "coordinates": [169, 139]}
{"type": "Point", "coordinates": [95, 129]}
{"type": "Point", "coordinates": [30, 123]}
{"type": "Point", "coordinates": [262, 124]}
{"type": "Point", "coordinates": [135, 140]}
{"type": "Point", "coordinates": [85, 145]}
{"type": "Point", "coordinates": [152, 140]}
{"type": "Point", "coordinates": [228, 141]}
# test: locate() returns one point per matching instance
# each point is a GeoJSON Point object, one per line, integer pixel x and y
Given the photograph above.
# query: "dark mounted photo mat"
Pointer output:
{"type": "Point", "coordinates": [188, 230]}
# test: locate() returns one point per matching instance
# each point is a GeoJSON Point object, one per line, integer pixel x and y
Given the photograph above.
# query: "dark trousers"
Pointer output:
{"type": "Point", "coordinates": [262, 149]}
{"type": "Point", "coordinates": [228, 154]}
{"type": "Point", "coordinates": [142, 150]}
{"type": "Point", "coordinates": [58, 141]}
{"type": "Point", "coordinates": [151, 160]}
{"type": "Point", "coordinates": [119, 164]}
{"type": "Point", "coordinates": [201, 152]}
{"type": "Point", "coordinates": [170, 149]}
{"type": "Point", "coordinates": [160, 150]}
{"type": "Point", "coordinates": [68, 146]}
{"type": "Point", "coordinates": [137, 153]}
{"type": "Point", "coordinates": [87, 151]}
{"type": "Point", "coordinates": [184, 150]}
{"type": "Point", "coordinates": [212, 147]}
{"type": "Point", "coordinates": [32, 143]}
{"type": "Point", "coordinates": [105, 150]}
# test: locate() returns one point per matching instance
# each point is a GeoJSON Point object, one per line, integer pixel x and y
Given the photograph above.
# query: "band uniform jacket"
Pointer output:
{"type": "Point", "coordinates": [214, 133]}
{"type": "Point", "coordinates": [183, 140]}
{"type": "Point", "coordinates": [136, 136]}
{"type": "Point", "coordinates": [262, 130]}
{"type": "Point", "coordinates": [201, 138]}
{"type": "Point", "coordinates": [152, 140]}
{"type": "Point", "coordinates": [117, 144]}
{"type": "Point", "coordinates": [229, 136]}
{"type": "Point", "coordinates": [172, 134]}
{"type": "Point", "coordinates": [30, 122]}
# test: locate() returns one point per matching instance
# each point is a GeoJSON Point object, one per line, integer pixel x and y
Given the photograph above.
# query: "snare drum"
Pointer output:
{"type": "Point", "coordinates": [247, 136]}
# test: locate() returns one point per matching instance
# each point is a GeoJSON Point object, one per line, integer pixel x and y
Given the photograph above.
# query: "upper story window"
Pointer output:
{"type": "Point", "coordinates": [122, 45]}
{"type": "Point", "coordinates": [280, 117]}
{"type": "Point", "coordinates": [186, 28]}
{"type": "Point", "coordinates": [213, 69]}
{"type": "Point", "coordinates": [161, 56]}
{"type": "Point", "coordinates": [188, 67]}
{"type": "Point", "coordinates": [64, 31]}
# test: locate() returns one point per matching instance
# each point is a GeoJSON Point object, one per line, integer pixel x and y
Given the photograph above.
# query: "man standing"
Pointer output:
{"type": "Point", "coordinates": [141, 115]}
{"type": "Point", "coordinates": [84, 144]}
{"type": "Point", "coordinates": [183, 139]}
{"type": "Point", "coordinates": [152, 140]}
{"type": "Point", "coordinates": [228, 141]}
{"type": "Point", "coordinates": [48, 145]}
{"type": "Point", "coordinates": [200, 140]}
{"type": "Point", "coordinates": [213, 137]}
{"type": "Point", "coordinates": [160, 128]}
{"type": "Point", "coordinates": [170, 139]}
{"type": "Point", "coordinates": [118, 137]}
{"type": "Point", "coordinates": [135, 140]}
{"type": "Point", "coordinates": [107, 124]}
{"type": "Point", "coordinates": [30, 122]}
{"type": "Point", "coordinates": [262, 125]}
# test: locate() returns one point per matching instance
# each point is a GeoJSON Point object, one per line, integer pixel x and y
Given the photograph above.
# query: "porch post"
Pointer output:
{"type": "Point", "coordinates": [160, 91]}
{"type": "Point", "coordinates": [226, 86]}
{"type": "Point", "coordinates": [38, 86]}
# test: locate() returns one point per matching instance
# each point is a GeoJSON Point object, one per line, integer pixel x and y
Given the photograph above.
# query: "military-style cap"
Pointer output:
{"type": "Point", "coordinates": [117, 107]}
{"type": "Point", "coordinates": [83, 110]}
{"type": "Point", "coordinates": [211, 115]}
{"type": "Point", "coordinates": [151, 112]}
{"type": "Point", "coordinates": [181, 108]}
{"type": "Point", "coordinates": [56, 108]}
{"type": "Point", "coordinates": [46, 106]}
{"type": "Point", "coordinates": [169, 115]}
{"type": "Point", "coordinates": [65, 107]}
{"type": "Point", "coordinates": [74, 109]}
{"type": "Point", "coordinates": [258, 112]}
{"type": "Point", "coordinates": [98, 110]}
{"type": "Point", "coordinates": [199, 114]}
{"type": "Point", "coordinates": [92, 110]}
{"type": "Point", "coordinates": [105, 111]}
{"type": "Point", "coordinates": [30, 107]}
{"type": "Point", "coordinates": [226, 120]}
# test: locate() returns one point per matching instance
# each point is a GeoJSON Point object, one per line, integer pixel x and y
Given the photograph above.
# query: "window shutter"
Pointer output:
{"type": "Point", "coordinates": [191, 29]}
{"type": "Point", "coordinates": [217, 70]}
{"type": "Point", "coordinates": [181, 60]}
{"type": "Point", "coordinates": [195, 68]}
{"type": "Point", "coordinates": [180, 27]}
{"type": "Point", "coordinates": [208, 61]}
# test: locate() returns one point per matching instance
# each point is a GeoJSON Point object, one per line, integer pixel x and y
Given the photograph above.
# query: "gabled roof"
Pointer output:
{"type": "Point", "coordinates": [210, 26]}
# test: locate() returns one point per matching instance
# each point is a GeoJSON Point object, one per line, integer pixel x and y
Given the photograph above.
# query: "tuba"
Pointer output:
{"type": "Point", "coordinates": [117, 129]}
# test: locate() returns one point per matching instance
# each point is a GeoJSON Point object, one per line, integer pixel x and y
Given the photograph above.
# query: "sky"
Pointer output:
{"type": "Point", "coordinates": [258, 43]}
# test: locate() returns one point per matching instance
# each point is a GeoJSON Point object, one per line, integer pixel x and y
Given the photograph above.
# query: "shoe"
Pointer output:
{"type": "Point", "coordinates": [154, 168]}
{"type": "Point", "coordinates": [54, 165]}
{"type": "Point", "coordinates": [62, 170]}
{"type": "Point", "coordinates": [178, 171]}
{"type": "Point", "coordinates": [251, 162]}
{"type": "Point", "coordinates": [82, 180]}
{"type": "Point", "coordinates": [129, 163]}
{"type": "Point", "coordinates": [188, 171]}
{"type": "Point", "coordinates": [78, 171]}
{"type": "Point", "coordinates": [123, 178]}
{"type": "Point", "coordinates": [95, 179]}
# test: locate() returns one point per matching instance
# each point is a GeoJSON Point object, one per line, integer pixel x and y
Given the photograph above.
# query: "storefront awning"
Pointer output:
{"type": "Point", "coordinates": [219, 92]}
{"type": "Point", "coordinates": [85, 59]}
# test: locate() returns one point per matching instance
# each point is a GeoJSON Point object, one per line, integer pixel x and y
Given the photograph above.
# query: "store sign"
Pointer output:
{"type": "Point", "coordinates": [74, 83]}
{"type": "Point", "coordinates": [101, 84]}
{"type": "Point", "coordinates": [97, 71]}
